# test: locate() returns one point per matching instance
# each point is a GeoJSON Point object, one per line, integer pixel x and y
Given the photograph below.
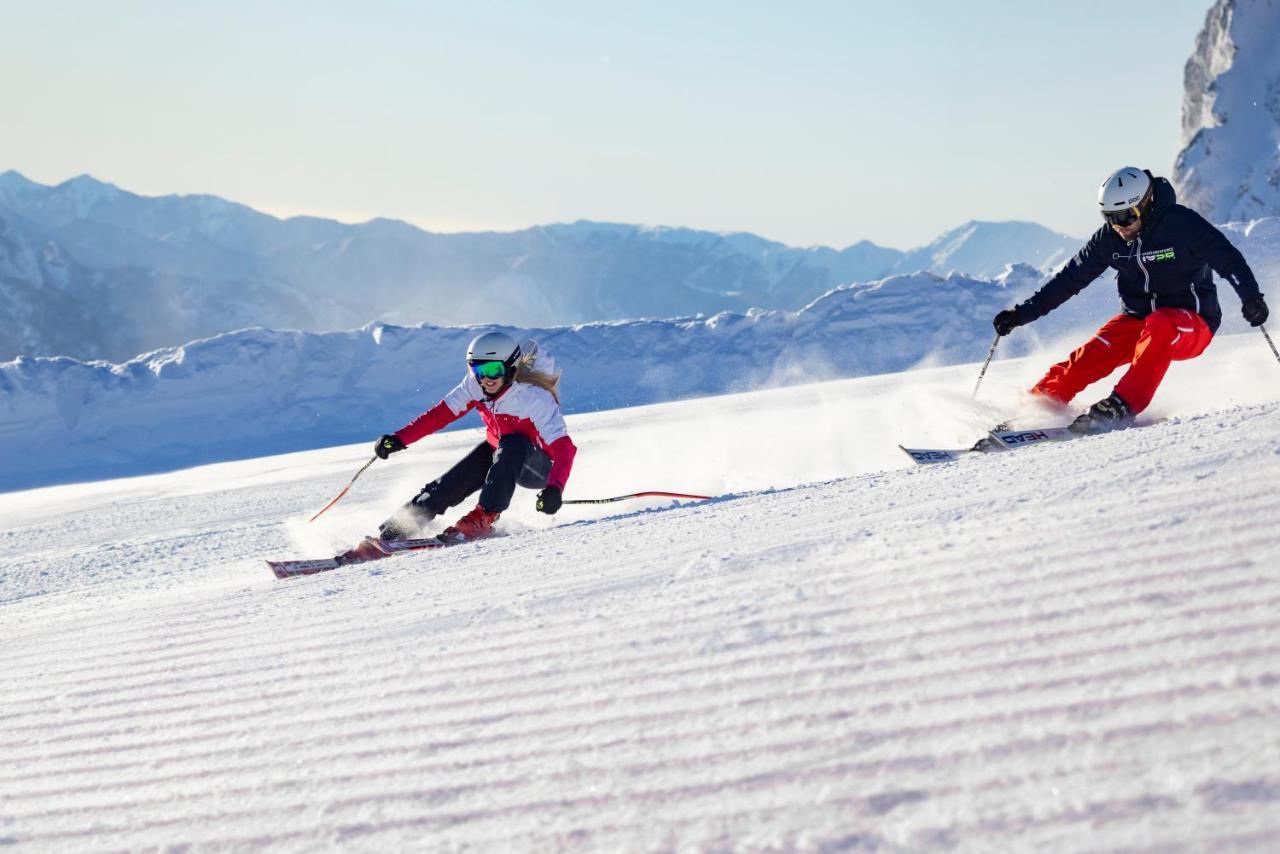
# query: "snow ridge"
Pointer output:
{"type": "Point", "coordinates": [259, 391]}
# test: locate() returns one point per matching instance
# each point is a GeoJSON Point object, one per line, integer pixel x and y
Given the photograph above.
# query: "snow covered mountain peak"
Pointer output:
{"type": "Point", "coordinates": [1229, 166]}
{"type": "Point", "coordinates": [80, 198]}
{"type": "Point", "coordinates": [983, 249]}
{"type": "Point", "coordinates": [17, 190]}
{"type": "Point", "coordinates": [86, 186]}
{"type": "Point", "coordinates": [87, 194]}
{"type": "Point", "coordinates": [13, 179]}
{"type": "Point", "coordinates": [1018, 276]}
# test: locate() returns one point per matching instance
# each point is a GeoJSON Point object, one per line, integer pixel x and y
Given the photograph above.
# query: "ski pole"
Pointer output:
{"type": "Point", "coordinates": [1267, 336]}
{"type": "Point", "coordinates": [338, 497]}
{"type": "Point", "coordinates": [635, 495]}
{"type": "Point", "coordinates": [983, 372]}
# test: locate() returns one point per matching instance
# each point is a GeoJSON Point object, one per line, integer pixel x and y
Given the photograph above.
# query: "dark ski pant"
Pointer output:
{"type": "Point", "coordinates": [494, 471]}
{"type": "Point", "coordinates": [1147, 345]}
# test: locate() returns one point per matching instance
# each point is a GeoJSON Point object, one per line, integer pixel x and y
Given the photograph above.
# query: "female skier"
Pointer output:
{"type": "Point", "coordinates": [526, 442]}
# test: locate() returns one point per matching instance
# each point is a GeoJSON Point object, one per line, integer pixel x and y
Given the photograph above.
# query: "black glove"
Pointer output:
{"type": "Point", "coordinates": [388, 445]}
{"type": "Point", "coordinates": [1255, 310]}
{"type": "Point", "coordinates": [1006, 321]}
{"type": "Point", "coordinates": [549, 500]}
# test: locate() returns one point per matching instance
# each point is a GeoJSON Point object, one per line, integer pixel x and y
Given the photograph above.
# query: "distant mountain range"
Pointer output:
{"type": "Point", "coordinates": [95, 272]}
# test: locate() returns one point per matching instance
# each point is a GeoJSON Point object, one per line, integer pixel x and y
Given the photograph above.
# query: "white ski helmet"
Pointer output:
{"type": "Point", "coordinates": [1124, 188]}
{"type": "Point", "coordinates": [493, 347]}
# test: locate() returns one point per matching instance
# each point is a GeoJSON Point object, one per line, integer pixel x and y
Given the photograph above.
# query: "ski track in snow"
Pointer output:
{"type": "Point", "coordinates": [1071, 647]}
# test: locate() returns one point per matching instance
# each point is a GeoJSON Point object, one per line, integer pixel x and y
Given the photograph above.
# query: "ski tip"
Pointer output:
{"type": "Point", "coordinates": [293, 568]}
{"type": "Point", "coordinates": [277, 569]}
{"type": "Point", "coordinates": [929, 456]}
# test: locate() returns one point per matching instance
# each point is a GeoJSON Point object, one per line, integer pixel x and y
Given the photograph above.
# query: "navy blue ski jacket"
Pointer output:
{"type": "Point", "coordinates": [1166, 266]}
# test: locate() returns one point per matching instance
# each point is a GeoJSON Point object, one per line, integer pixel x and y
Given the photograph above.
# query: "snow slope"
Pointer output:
{"type": "Point", "coordinates": [1063, 648]}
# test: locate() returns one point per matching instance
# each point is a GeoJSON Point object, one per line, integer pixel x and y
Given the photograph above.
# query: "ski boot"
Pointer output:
{"type": "Point", "coordinates": [406, 523]}
{"type": "Point", "coordinates": [1103, 417]}
{"type": "Point", "coordinates": [367, 550]}
{"type": "Point", "coordinates": [988, 443]}
{"type": "Point", "coordinates": [474, 526]}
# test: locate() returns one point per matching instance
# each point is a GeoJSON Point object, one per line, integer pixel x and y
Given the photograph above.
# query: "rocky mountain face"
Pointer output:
{"type": "Point", "coordinates": [1229, 166]}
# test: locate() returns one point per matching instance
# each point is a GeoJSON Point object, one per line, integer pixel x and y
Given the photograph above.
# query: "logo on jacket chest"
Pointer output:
{"type": "Point", "coordinates": [1146, 257]}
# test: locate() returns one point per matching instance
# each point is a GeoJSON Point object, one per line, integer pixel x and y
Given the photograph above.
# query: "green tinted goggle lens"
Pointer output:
{"type": "Point", "coordinates": [488, 370]}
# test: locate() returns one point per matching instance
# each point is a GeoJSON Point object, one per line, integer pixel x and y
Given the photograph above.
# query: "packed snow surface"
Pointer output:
{"type": "Point", "coordinates": [1067, 647]}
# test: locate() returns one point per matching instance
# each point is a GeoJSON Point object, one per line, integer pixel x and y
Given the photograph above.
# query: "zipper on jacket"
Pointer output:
{"type": "Point", "coordinates": [493, 410]}
{"type": "Point", "coordinates": [492, 406]}
{"type": "Point", "coordinates": [1146, 277]}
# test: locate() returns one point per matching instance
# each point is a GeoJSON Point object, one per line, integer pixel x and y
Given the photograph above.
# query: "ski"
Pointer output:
{"type": "Point", "coordinates": [928, 456]}
{"type": "Point", "coordinates": [371, 548]}
{"type": "Point", "coordinates": [1010, 439]}
{"type": "Point", "coordinates": [998, 439]}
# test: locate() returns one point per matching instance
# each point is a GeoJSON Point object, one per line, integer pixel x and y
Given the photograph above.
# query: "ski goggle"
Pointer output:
{"type": "Point", "coordinates": [1122, 218]}
{"type": "Point", "coordinates": [489, 370]}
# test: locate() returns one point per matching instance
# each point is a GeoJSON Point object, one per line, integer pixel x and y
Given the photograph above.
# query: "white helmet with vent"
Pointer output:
{"type": "Point", "coordinates": [1124, 188]}
{"type": "Point", "coordinates": [493, 356]}
{"type": "Point", "coordinates": [493, 347]}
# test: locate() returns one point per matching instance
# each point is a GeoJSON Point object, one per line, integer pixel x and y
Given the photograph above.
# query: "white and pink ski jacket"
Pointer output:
{"type": "Point", "coordinates": [521, 408]}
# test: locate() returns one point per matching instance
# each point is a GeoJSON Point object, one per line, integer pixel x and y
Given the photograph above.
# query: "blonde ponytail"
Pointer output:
{"type": "Point", "coordinates": [525, 373]}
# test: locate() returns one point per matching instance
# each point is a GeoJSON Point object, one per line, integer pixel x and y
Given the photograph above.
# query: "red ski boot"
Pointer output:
{"type": "Point", "coordinates": [367, 550]}
{"type": "Point", "coordinates": [474, 526]}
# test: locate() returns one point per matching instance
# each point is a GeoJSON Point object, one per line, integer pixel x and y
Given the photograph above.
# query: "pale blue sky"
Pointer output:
{"type": "Point", "coordinates": [805, 122]}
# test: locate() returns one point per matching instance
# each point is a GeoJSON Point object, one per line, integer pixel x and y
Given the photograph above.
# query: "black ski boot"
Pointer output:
{"type": "Point", "coordinates": [1104, 416]}
{"type": "Point", "coordinates": [406, 523]}
{"type": "Point", "coordinates": [988, 443]}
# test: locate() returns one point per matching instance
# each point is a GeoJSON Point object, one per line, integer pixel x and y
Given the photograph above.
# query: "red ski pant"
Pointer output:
{"type": "Point", "coordinates": [1147, 345]}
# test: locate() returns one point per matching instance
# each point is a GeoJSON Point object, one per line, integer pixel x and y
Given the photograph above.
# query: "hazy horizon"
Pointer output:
{"type": "Point", "coordinates": [566, 222]}
{"type": "Point", "coordinates": [821, 124]}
